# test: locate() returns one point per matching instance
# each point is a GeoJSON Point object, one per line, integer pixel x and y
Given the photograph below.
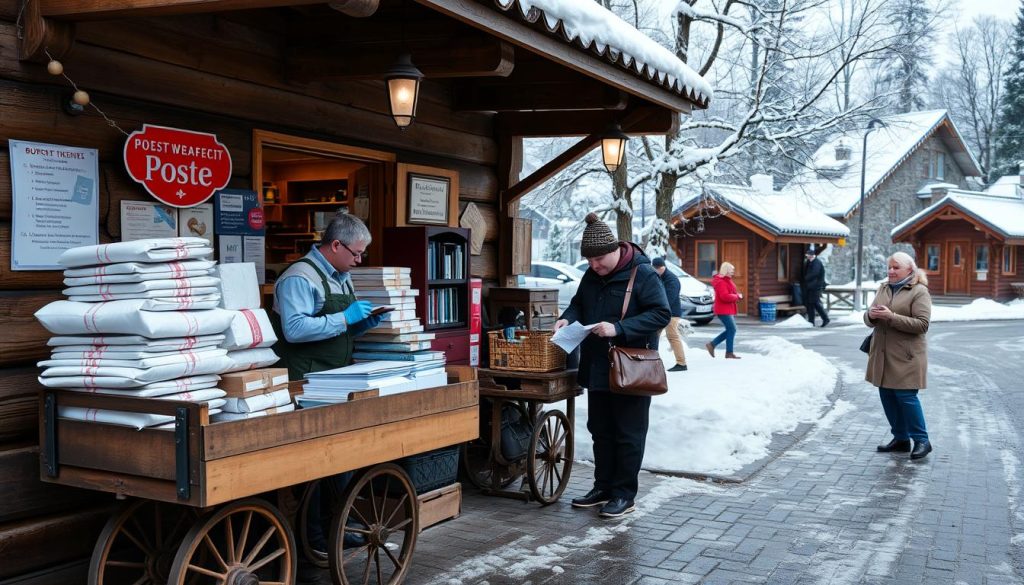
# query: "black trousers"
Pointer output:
{"type": "Point", "coordinates": [812, 301]}
{"type": "Point", "coordinates": [618, 425]}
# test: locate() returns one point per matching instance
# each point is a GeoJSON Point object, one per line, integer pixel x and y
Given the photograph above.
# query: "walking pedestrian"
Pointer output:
{"type": "Point", "coordinates": [672, 286]}
{"type": "Point", "coordinates": [812, 280]}
{"type": "Point", "coordinates": [727, 298]}
{"type": "Point", "coordinates": [617, 422]}
{"type": "Point", "coordinates": [898, 358]}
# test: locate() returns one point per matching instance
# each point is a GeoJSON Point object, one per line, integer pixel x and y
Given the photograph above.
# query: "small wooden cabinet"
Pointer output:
{"type": "Point", "coordinates": [539, 305]}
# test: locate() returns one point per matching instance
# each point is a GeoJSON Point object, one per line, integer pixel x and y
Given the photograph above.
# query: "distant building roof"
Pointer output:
{"type": "Point", "coordinates": [1002, 215]}
{"type": "Point", "coordinates": [1004, 186]}
{"type": "Point", "coordinates": [834, 185]}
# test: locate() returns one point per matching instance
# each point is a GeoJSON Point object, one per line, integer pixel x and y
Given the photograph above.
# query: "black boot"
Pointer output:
{"type": "Point", "coordinates": [593, 498]}
{"type": "Point", "coordinates": [921, 449]}
{"type": "Point", "coordinates": [895, 445]}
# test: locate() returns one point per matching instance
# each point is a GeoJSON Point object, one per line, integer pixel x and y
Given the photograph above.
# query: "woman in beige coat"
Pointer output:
{"type": "Point", "coordinates": [898, 359]}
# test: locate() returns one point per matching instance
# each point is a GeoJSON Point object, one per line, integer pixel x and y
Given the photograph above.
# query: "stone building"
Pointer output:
{"type": "Point", "coordinates": [906, 158]}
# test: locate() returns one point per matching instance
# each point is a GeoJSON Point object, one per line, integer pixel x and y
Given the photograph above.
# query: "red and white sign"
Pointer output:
{"type": "Point", "coordinates": [181, 168]}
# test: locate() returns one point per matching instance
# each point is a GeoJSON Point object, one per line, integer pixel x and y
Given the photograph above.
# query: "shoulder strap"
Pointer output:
{"type": "Point", "coordinates": [629, 292]}
{"type": "Point", "coordinates": [320, 273]}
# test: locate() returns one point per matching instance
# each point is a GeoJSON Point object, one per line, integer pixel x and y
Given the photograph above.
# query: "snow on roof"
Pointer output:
{"type": "Point", "coordinates": [834, 185]}
{"type": "Point", "coordinates": [1004, 215]}
{"type": "Point", "coordinates": [926, 191]}
{"type": "Point", "coordinates": [1004, 186]}
{"type": "Point", "coordinates": [780, 213]}
{"type": "Point", "coordinates": [596, 29]}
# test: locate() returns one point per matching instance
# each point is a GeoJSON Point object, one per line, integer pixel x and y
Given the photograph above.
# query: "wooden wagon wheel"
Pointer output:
{"type": "Point", "coordinates": [380, 506]}
{"type": "Point", "coordinates": [243, 543]}
{"type": "Point", "coordinates": [138, 543]}
{"type": "Point", "coordinates": [317, 558]}
{"type": "Point", "coordinates": [550, 460]}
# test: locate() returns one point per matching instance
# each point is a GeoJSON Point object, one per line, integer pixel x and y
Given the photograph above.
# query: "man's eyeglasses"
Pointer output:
{"type": "Point", "coordinates": [355, 255]}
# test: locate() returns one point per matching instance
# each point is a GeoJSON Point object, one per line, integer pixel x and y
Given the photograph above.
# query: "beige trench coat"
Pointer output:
{"type": "Point", "coordinates": [899, 351]}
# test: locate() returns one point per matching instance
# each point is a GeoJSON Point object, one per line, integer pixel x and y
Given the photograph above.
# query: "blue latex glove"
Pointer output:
{"type": "Point", "coordinates": [356, 312]}
{"type": "Point", "coordinates": [367, 323]}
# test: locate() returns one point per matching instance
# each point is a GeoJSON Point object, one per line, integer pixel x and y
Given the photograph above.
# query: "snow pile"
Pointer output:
{"type": "Point", "coordinates": [795, 322]}
{"type": "Point", "coordinates": [714, 420]}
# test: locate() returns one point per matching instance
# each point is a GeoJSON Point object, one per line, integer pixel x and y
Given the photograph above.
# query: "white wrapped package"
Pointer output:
{"type": "Point", "coordinates": [227, 416]}
{"type": "Point", "coordinates": [178, 357]}
{"type": "Point", "coordinates": [113, 352]}
{"type": "Point", "coordinates": [250, 359]}
{"type": "Point", "coordinates": [117, 377]}
{"type": "Point", "coordinates": [132, 342]}
{"type": "Point", "coordinates": [209, 301]}
{"type": "Point", "coordinates": [134, 278]}
{"type": "Point", "coordinates": [258, 402]}
{"type": "Point", "coordinates": [70, 318]}
{"type": "Point", "coordinates": [141, 268]}
{"type": "Point", "coordinates": [188, 396]}
{"type": "Point", "coordinates": [137, 420]}
{"type": "Point", "coordinates": [239, 288]}
{"type": "Point", "coordinates": [249, 329]}
{"type": "Point", "coordinates": [148, 250]}
{"type": "Point", "coordinates": [172, 287]}
{"type": "Point", "coordinates": [176, 386]}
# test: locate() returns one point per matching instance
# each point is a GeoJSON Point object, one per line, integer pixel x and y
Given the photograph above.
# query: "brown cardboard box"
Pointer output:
{"type": "Point", "coordinates": [253, 382]}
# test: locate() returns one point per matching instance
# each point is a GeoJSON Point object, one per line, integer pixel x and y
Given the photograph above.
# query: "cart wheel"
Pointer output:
{"type": "Point", "coordinates": [382, 500]}
{"type": "Point", "coordinates": [243, 543]}
{"type": "Point", "coordinates": [138, 543]}
{"type": "Point", "coordinates": [317, 558]}
{"type": "Point", "coordinates": [551, 449]}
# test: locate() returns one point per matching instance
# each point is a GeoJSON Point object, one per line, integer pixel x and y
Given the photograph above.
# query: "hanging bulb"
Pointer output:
{"type": "Point", "coordinates": [80, 98]}
{"type": "Point", "coordinates": [54, 67]}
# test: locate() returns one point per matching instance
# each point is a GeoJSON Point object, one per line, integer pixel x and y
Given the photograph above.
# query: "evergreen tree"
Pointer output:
{"type": "Point", "coordinates": [1010, 130]}
{"type": "Point", "coordinates": [556, 245]}
{"type": "Point", "coordinates": [906, 65]}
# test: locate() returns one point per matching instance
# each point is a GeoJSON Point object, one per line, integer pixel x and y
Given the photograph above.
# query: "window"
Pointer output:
{"type": "Point", "coordinates": [707, 259]}
{"type": "Point", "coordinates": [783, 267]}
{"type": "Point", "coordinates": [940, 165]}
{"type": "Point", "coordinates": [932, 256]}
{"type": "Point", "coordinates": [547, 271]}
{"type": "Point", "coordinates": [981, 259]}
{"type": "Point", "coordinates": [895, 210]}
{"type": "Point", "coordinates": [1010, 260]}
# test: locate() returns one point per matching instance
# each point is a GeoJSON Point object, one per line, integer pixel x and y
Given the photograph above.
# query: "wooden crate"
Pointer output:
{"type": "Point", "coordinates": [439, 505]}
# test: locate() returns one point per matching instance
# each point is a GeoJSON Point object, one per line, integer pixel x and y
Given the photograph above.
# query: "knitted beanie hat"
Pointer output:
{"type": "Point", "coordinates": [598, 239]}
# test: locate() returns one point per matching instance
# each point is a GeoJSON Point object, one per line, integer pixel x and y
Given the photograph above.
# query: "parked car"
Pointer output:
{"type": "Point", "coordinates": [557, 275]}
{"type": "Point", "coordinates": [696, 297]}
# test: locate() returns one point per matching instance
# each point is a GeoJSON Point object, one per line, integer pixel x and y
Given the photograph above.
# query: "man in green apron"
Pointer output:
{"type": "Point", "coordinates": [316, 315]}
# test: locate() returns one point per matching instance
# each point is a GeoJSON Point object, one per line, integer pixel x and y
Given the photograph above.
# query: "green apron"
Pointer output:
{"type": "Point", "coordinates": [315, 356]}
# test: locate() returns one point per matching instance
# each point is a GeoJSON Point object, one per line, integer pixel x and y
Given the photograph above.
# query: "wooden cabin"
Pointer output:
{"type": "Point", "coordinates": [970, 243]}
{"type": "Point", "coordinates": [762, 233]}
{"type": "Point", "coordinates": [295, 91]}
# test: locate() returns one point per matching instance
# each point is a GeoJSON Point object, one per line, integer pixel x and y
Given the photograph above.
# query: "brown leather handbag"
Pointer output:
{"type": "Point", "coordinates": [635, 371]}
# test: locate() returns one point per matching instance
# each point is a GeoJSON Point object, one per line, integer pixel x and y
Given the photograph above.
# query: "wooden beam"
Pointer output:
{"type": "Point", "coordinates": [107, 9]}
{"type": "Point", "coordinates": [531, 124]}
{"type": "Point", "coordinates": [40, 35]}
{"type": "Point", "coordinates": [355, 8]}
{"type": "Point", "coordinates": [469, 57]}
{"type": "Point", "coordinates": [511, 97]}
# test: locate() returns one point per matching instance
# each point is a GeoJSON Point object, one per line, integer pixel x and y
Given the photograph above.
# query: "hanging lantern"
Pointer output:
{"type": "Point", "coordinates": [613, 148]}
{"type": "Point", "coordinates": [403, 81]}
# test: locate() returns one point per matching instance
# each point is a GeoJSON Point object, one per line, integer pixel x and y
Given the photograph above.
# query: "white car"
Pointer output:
{"type": "Point", "coordinates": [557, 275]}
{"type": "Point", "coordinates": [696, 297]}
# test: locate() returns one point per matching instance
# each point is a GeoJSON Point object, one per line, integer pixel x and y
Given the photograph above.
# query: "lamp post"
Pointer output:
{"type": "Point", "coordinates": [857, 306]}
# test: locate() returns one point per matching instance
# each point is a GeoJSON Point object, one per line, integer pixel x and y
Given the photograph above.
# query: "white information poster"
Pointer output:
{"type": "Point", "coordinates": [230, 249]}
{"type": "Point", "coordinates": [254, 250]}
{"type": "Point", "coordinates": [196, 222]}
{"type": "Point", "coordinates": [55, 202]}
{"type": "Point", "coordinates": [147, 219]}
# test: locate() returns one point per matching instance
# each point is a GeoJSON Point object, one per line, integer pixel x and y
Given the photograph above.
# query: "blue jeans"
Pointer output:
{"type": "Point", "coordinates": [903, 410]}
{"type": "Point", "coordinates": [729, 335]}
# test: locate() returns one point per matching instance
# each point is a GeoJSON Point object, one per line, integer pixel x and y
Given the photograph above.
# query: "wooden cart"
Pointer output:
{"type": "Point", "coordinates": [203, 508]}
{"type": "Point", "coordinates": [547, 462]}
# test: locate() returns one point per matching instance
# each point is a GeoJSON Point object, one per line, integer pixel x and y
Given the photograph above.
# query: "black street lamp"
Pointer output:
{"type": "Point", "coordinates": [857, 306]}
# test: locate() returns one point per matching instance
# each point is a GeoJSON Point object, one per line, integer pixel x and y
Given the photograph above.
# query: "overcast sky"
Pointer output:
{"type": "Point", "coordinates": [1002, 8]}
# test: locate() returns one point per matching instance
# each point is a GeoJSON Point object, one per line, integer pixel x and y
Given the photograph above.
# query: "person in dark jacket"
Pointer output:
{"type": "Point", "coordinates": [812, 281]}
{"type": "Point", "coordinates": [617, 422]}
{"type": "Point", "coordinates": [672, 286]}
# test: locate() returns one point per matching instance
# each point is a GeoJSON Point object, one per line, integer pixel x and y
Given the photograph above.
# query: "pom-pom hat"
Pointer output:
{"type": "Point", "coordinates": [598, 239]}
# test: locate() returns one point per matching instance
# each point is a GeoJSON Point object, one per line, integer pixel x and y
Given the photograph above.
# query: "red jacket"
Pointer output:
{"type": "Point", "coordinates": [726, 295]}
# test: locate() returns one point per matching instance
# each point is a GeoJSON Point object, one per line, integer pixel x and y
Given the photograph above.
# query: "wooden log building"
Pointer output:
{"type": "Point", "coordinates": [287, 82]}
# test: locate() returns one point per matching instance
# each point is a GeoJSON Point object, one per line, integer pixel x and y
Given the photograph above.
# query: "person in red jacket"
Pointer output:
{"type": "Point", "coordinates": [726, 299]}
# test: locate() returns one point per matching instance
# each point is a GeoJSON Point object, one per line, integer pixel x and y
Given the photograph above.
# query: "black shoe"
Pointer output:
{"type": "Point", "coordinates": [617, 507]}
{"type": "Point", "coordinates": [595, 497]}
{"type": "Point", "coordinates": [897, 445]}
{"type": "Point", "coordinates": [826, 322]}
{"type": "Point", "coordinates": [678, 368]}
{"type": "Point", "coordinates": [921, 450]}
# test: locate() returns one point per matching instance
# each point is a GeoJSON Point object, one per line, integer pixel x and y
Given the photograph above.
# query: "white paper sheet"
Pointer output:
{"type": "Point", "coordinates": [571, 336]}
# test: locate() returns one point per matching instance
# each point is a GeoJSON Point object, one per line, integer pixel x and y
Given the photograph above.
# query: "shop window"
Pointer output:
{"type": "Point", "coordinates": [981, 259]}
{"type": "Point", "coordinates": [782, 271]}
{"type": "Point", "coordinates": [707, 259]}
{"type": "Point", "coordinates": [932, 257]}
{"type": "Point", "coordinates": [1010, 260]}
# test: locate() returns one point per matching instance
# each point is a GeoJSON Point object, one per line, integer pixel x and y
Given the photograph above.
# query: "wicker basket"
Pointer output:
{"type": "Point", "coordinates": [531, 352]}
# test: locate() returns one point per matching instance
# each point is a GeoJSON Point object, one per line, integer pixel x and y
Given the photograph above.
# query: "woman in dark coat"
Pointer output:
{"type": "Point", "coordinates": [617, 422]}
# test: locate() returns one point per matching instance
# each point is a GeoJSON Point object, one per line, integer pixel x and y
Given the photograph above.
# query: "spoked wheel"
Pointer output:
{"type": "Point", "coordinates": [550, 460]}
{"type": "Point", "coordinates": [317, 557]}
{"type": "Point", "coordinates": [138, 543]}
{"type": "Point", "coordinates": [381, 512]}
{"type": "Point", "coordinates": [481, 471]}
{"type": "Point", "coordinates": [247, 542]}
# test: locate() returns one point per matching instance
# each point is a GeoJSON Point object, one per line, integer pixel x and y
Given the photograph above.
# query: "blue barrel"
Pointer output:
{"type": "Point", "coordinates": [767, 310]}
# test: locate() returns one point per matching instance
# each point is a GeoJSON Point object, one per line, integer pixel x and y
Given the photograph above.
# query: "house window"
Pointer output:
{"type": "Point", "coordinates": [932, 255]}
{"type": "Point", "coordinates": [940, 165]}
{"type": "Point", "coordinates": [895, 210]}
{"type": "Point", "coordinates": [981, 259]}
{"type": "Point", "coordinates": [1010, 260]}
{"type": "Point", "coordinates": [782, 271]}
{"type": "Point", "coordinates": [707, 259]}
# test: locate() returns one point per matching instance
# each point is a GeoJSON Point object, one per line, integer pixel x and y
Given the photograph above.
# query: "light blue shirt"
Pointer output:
{"type": "Point", "coordinates": [297, 301]}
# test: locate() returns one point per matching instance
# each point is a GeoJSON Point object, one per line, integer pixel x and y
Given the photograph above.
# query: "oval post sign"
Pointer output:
{"type": "Point", "coordinates": [181, 168]}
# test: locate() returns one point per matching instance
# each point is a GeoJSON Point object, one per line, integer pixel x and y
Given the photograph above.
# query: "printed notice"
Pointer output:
{"type": "Point", "coordinates": [56, 202]}
{"type": "Point", "coordinates": [147, 219]}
